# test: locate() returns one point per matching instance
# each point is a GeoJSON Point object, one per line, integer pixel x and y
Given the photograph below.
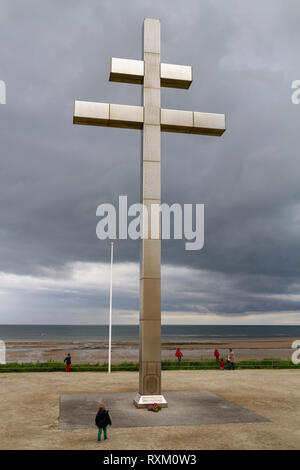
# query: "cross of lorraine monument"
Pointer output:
{"type": "Point", "coordinates": [152, 120]}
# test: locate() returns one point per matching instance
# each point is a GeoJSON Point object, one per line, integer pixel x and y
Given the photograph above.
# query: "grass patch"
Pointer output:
{"type": "Point", "coordinates": [205, 364]}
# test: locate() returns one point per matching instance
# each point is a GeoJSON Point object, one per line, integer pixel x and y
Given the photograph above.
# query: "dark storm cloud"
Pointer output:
{"type": "Point", "coordinates": [54, 174]}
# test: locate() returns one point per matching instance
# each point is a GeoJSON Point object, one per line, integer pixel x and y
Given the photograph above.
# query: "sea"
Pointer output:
{"type": "Point", "coordinates": [124, 333]}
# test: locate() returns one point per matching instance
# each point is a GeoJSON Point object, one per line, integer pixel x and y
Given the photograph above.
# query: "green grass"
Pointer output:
{"type": "Point", "coordinates": [210, 364]}
{"type": "Point", "coordinates": [205, 364]}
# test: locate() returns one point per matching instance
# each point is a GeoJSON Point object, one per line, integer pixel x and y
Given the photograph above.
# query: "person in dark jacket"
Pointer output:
{"type": "Point", "coordinates": [68, 361]}
{"type": "Point", "coordinates": [102, 420]}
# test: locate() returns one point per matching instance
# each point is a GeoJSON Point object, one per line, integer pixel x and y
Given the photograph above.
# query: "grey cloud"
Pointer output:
{"type": "Point", "coordinates": [54, 175]}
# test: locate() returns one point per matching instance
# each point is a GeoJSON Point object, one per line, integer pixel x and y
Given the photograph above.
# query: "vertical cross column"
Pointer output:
{"type": "Point", "coordinates": [152, 119]}
{"type": "Point", "coordinates": [150, 278]}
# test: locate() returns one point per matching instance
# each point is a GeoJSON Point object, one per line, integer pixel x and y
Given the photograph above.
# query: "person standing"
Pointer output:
{"type": "Point", "coordinates": [102, 420]}
{"type": "Point", "coordinates": [178, 354]}
{"type": "Point", "coordinates": [68, 362]}
{"type": "Point", "coordinates": [221, 364]}
{"type": "Point", "coordinates": [217, 355]}
{"type": "Point", "coordinates": [230, 359]}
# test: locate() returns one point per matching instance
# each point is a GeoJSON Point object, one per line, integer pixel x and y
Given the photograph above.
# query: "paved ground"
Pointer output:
{"type": "Point", "coordinates": [77, 410]}
{"type": "Point", "coordinates": [29, 411]}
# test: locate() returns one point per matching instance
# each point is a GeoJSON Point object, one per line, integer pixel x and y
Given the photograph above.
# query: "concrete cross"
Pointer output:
{"type": "Point", "coordinates": [151, 119]}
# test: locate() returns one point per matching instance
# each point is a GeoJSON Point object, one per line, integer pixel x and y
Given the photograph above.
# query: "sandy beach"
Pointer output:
{"type": "Point", "coordinates": [273, 394]}
{"type": "Point", "coordinates": [94, 352]}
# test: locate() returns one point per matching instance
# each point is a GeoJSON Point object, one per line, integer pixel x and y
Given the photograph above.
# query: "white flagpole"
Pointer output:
{"type": "Point", "coordinates": [110, 306]}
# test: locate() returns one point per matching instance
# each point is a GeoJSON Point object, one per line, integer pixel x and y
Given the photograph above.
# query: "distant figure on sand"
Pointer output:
{"type": "Point", "coordinates": [217, 355]}
{"type": "Point", "coordinates": [68, 362]}
{"type": "Point", "coordinates": [221, 363]}
{"type": "Point", "coordinates": [102, 420]}
{"type": "Point", "coordinates": [230, 359]}
{"type": "Point", "coordinates": [178, 354]}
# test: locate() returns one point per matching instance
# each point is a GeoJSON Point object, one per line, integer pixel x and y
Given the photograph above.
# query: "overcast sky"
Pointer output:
{"type": "Point", "coordinates": [244, 55]}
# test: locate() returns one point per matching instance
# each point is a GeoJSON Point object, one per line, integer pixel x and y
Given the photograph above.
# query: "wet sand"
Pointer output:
{"type": "Point", "coordinates": [94, 352]}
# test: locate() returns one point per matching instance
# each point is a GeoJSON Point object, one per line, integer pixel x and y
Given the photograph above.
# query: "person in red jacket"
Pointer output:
{"type": "Point", "coordinates": [178, 354]}
{"type": "Point", "coordinates": [221, 363]}
{"type": "Point", "coordinates": [217, 355]}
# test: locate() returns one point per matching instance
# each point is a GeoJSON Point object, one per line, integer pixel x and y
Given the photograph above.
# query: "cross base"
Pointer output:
{"type": "Point", "coordinates": [143, 401]}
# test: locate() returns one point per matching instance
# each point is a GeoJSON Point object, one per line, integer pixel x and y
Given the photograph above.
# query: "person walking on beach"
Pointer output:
{"type": "Point", "coordinates": [217, 355]}
{"type": "Point", "coordinates": [102, 420]}
{"type": "Point", "coordinates": [68, 362]}
{"type": "Point", "coordinates": [178, 354]}
{"type": "Point", "coordinates": [221, 363]}
{"type": "Point", "coordinates": [230, 359]}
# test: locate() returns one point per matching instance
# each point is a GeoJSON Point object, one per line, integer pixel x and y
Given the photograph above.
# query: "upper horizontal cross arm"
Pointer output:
{"type": "Point", "coordinates": [132, 71]}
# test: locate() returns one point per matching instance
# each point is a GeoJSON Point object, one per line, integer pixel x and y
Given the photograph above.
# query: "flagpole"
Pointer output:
{"type": "Point", "coordinates": [110, 306]}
